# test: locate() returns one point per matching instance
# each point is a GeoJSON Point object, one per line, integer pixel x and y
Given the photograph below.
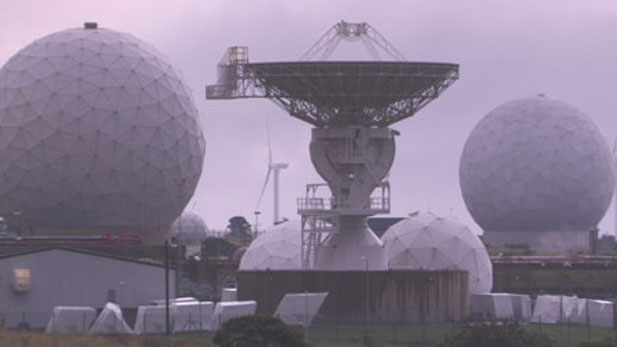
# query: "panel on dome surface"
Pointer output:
{"type": "Point", "coordinates": [457, 249]}
{"type": "Point", "coordinates": [521, 168]}
{"type": "Point", "coordinates": [278, 248]}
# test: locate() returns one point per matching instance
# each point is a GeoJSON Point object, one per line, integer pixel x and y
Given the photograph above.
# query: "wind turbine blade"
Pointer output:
{"type": "Point", "coordinates": [263, 189]}
{"type": "Point", "coordinates": [269, 145]}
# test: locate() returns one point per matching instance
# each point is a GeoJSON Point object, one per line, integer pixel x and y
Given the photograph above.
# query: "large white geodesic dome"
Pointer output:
{"type": "Point", "coordinates": [189, 228]}
{"type": "Point", "coordinates": [536, 164]}
{"type": "Point", "coordinates": [96, 129]}
{"type": "Point", "coordinates": [279, 248]}
{"type": "Point", "coordinates": [427, 242]}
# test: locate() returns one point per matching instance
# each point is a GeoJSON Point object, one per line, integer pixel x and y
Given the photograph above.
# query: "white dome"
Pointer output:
{"type": "Point", "coordinates": [536, 164]}
{"type": "Point", "coordinates": [189, 228]}
{"type": "Point", "coordinates": [428, 242]}
{"type": "Point", "coordinates": [277, 249]}
{"type": "Point", "coordinates": [96, 129]}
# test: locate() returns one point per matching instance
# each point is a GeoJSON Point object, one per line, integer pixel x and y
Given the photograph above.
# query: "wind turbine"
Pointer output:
{"type": "Point", "coordinates": [276, 168]}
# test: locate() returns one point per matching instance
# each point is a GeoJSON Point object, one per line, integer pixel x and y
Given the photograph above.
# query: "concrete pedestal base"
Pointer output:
{"type": "Point", "coordinates": [392, 296]}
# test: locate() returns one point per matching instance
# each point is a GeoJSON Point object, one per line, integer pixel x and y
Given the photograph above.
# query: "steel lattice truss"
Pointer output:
{"type": "Point", "coordinates": [339, 93]}
{"type": "Point", "coordinates": [373, 41]}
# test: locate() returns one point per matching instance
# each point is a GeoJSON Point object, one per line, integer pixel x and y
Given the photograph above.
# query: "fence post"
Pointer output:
{"type": "Point", "coordinates": [614, 318]}
{"type": "Point", "coordinates": [306, 319]}
{"type": "Point", "coordinates": [569, 337]}
{"type": "Point", "coordinates": [167, 288]}
{"type": "Point", "coordinates": [336, 331]}
{"type": "Point", "coordinates": [587, 320]}
{"type": "Point", "coordinates": [561, 315]}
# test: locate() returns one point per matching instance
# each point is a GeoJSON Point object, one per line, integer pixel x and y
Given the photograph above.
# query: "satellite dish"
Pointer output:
{"type": "Point", "coordinates": [351, 105]}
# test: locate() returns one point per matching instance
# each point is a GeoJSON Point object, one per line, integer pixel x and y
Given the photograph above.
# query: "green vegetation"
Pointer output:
{"type": "Point", "coordinates": [217, 247]}
{"type": "Point", "coordinates": [250, 331]}
{"type": "Point", "coordinates": [21, 338]}
{"type": "Point", "coordinates": [331, 335]}
{"type": "Point", "coordinates": [503, 335]}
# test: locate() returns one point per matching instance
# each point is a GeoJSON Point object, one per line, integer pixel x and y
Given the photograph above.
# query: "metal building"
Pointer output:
{"type": "Point", "coordinates": [33, 282]}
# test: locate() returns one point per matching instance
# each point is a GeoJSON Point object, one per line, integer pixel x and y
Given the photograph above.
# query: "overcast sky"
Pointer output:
{"type": "Point", "coordinates": [506, 50]}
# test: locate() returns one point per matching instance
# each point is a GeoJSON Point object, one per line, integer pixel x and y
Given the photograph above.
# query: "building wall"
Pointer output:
{"type": "Point", "coordinates": [555, 242]}
{"type": "Point", "coordinates": [148, 235]}
{"type": "Point", "coordinates": [588, 280]}
{"type": "Point", "coordinates": [394, 296]}
{"type": "Point", "coordinates": [62, 277]}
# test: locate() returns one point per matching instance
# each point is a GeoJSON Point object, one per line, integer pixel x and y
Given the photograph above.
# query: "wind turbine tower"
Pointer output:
{"type": "Point", "coordinates": [276, 168]}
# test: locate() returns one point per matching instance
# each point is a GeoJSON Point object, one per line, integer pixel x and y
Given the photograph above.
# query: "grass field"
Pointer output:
{"type": "Point", "coordinates": [430, 334]}
{"type": "Point", "coordinates": [326, 336]}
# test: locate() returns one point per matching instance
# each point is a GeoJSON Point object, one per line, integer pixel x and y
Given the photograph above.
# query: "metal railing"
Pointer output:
{"type": "Point", "coordinates": [372, 205]}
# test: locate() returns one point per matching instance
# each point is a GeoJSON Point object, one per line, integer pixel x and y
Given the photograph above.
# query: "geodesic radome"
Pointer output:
{"type": "Point", "coordinates": [189, 228]}
{"type": "Point", "coordinates": [428, 242]}
{"type": "Point", "coordinates": [536, 164]}
{"type": "Point", "coordinates": [279, 248]}
{"type": "Point", "coordinates": [96, 129]}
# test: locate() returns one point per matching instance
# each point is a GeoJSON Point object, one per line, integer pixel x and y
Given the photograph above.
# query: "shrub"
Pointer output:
{"type": "Point", "coordinates": [217, 247]}
{"type": "Point", "coordinates": [251, 331]}
{"type": "Point", "coordinates": [490, 335]}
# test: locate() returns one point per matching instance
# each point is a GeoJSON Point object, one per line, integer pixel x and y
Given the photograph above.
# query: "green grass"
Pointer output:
{"type": "Point", "coordinates": [430, 334]}
{"type": "Point", "coordinates": [21, 338]}
{"type": "Point", "coordinates": [321, 335]}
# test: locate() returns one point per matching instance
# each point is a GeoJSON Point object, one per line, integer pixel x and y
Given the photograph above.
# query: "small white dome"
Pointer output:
{"type": "Point", "coordinates": [277, 249]}
{"type": "Point", "coordinates": [428, 242]}
{"type": "Point", "coordinates": [189, 228]}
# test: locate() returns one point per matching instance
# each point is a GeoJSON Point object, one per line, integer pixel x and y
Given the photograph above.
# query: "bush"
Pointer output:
{"type": "Point", "coordinates": [502, 335]}
{"type": "Point", "coordinates": [217, 247]}
{"type": "Point", "coordinates": [251, 331]}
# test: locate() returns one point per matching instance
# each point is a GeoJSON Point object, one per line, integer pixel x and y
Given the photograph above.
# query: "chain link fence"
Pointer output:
{"type": "Point", "coordinates": [567, 321]}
